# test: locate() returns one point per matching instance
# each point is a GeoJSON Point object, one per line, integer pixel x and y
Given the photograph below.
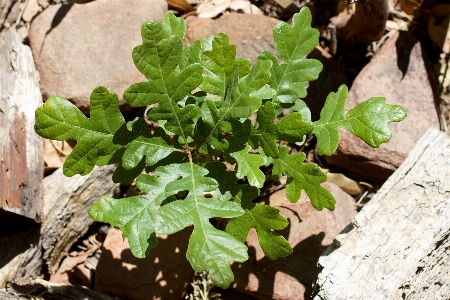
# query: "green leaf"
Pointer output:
{"type": "Point", "coordinates": [263, 218]}
{"type": "Point", "coordinates": [135, 216]}
{"type": "Point", "coordinates": [58, 119]}
{"type": "Point", "coordinates": [248, 165]}
{"type": "Point", "coordinates": [239, 103]}
{"type": "Point", "coordinates": [291, 129]}
{"type": "Point", "coordinates": [140, 143]}
{"type": "Point", "coordinates": [293, 43]}
{"type": "Point", "coordinates": [240, 100]}
{"type": "Point", "coordinates": [303, 176]}
{"type": "Point", "coordinates": [209, 248]}
{"type": "Point", "coordinates": [163, 61]}
{"type": "Point", "coordinates": [219, 63]}
{"type": "Point", "coordinates": [368, 121]}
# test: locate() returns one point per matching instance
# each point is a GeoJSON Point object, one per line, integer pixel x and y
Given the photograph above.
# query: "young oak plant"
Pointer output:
{"type": "Point", "coordinates": [182, 161]}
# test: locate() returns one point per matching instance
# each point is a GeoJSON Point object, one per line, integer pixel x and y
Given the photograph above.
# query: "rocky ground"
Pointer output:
{"type": "Point", "coordinates": [78, 45]}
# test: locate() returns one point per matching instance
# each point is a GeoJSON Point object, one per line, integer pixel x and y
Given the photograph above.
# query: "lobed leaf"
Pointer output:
{"type": "Point", "coordinates": [291, 129]}
{"type": "Point", "coordinates": [140, 143]}
{"type": "Point", "coordinates": [302, 176]}
{"type": "Point", "coordinates": [293, 43]}
{"type": "Point", "coordinates": [209, 248]}
{"type": "Point", "coordinates": [135, 216]}
{"type": "Point", "coordinates": [265, 219]}
{"type": "Point", "coordinates": [172, 74]}
{"type": "Point", "coordinates": [58, 119]}
{"type": "Point", "coordinates": [243, 96]}
{"type": "Point", "coordinates": [248, 165]}
{"type": "Point", "coordinates": [219, 63]}
{"type": "Point", "coordinates": [368, 121]}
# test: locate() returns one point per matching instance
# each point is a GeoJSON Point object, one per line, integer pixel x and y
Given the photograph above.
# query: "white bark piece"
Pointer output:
{"type": "Point", "coordinates": [397, 247]}
{"type": "Point", "coordinates": [21, 149]}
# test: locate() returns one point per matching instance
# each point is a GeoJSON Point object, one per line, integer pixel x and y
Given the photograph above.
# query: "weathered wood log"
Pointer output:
{"type": "Point", "coordinates": [21, 149]}
{"type": "Point", "coordinates": [50, 291]}
{"type": "Point", "coordinates": [397, 247]}
{"type": "Point", "coordinates": [66, 219]}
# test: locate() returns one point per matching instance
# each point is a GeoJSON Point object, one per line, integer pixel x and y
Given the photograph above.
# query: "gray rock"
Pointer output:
{"type": "Point", "coordinates": [78, 47]}
{"type": "Point", "coordinates": [399, 73]}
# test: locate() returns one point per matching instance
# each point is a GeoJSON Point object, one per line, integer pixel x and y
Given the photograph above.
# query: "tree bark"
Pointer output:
{"type": "Point", "coordinates": [397, 247]}
{"type": "Point", "coordinates": [66, 219]}
{"type": "Point", "coordinates": [50, 291]}
{"type": "Point", "coordinates": [21, 149]}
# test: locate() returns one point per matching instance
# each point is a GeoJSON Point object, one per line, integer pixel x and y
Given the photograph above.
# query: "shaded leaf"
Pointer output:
{"type": "Point", "coordinates": [291, 129]}
{"type": "Point", "coordinates": [239, 103]}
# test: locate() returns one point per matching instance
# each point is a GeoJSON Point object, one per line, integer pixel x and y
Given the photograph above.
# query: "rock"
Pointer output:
{"type": "Point", "coordinates": [250, 33]}
{"type": "Point", "coordinates": [78, 47]}
{"type": "Point", "coordinates": [330, 79]}
{"type": "Point", "coordinates": [73, 272]}
{"type": "Point", "coordinates": [5, 8]}
{"type": "Point", "coordinates": [31, 10]}
{"type": "Point", "coordinates": [21, 149]}
{"type": "Point", "coordinates": [163, 274]}
{"type": "Point", "coordinates": [399, 73]}
{"type": "Point", "coordinates": [66, 219]}
{"type": "Point", "coordinates": [309, 233]}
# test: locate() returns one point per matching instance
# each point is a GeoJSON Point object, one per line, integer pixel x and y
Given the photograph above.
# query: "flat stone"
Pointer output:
{"type": "Point", "coordinates": [164, 274]}
{"type": "Point", "coordinates": [78, 47]}
{"type": "Point", "coordinates": [309, 233]}
{"type": "Point", "coordinates": [21, 149]}
{"type": "Point", "coordinates": [399, 73]}
{"type": "Point", "coordinates": [250, 33]}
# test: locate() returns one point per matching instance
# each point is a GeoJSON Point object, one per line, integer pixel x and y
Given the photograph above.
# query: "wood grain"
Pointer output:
{"type": "Point", "coordinates": [397, 247]}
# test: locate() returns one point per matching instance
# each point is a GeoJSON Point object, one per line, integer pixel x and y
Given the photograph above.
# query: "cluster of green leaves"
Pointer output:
{"type": "Point", "coordinates": [181, 163]}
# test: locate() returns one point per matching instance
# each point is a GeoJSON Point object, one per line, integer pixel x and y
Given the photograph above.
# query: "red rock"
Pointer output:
{"type": "Point", "coordinates": [250, 33]}
{"type": "Point", "coordinates": [309, 233]}
{"type": "Point", "coordinates": [163, 274]}
{"type": "Point", "coordinates": [73, 272]}
{"type": "Point", "coordinates": [81, 46]}
{"type": "Point", "coordinates": [399, 73]}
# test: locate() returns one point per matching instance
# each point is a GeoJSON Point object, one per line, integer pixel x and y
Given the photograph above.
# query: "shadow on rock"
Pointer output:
{"type": "Point", "coordinates": [163, 274]}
